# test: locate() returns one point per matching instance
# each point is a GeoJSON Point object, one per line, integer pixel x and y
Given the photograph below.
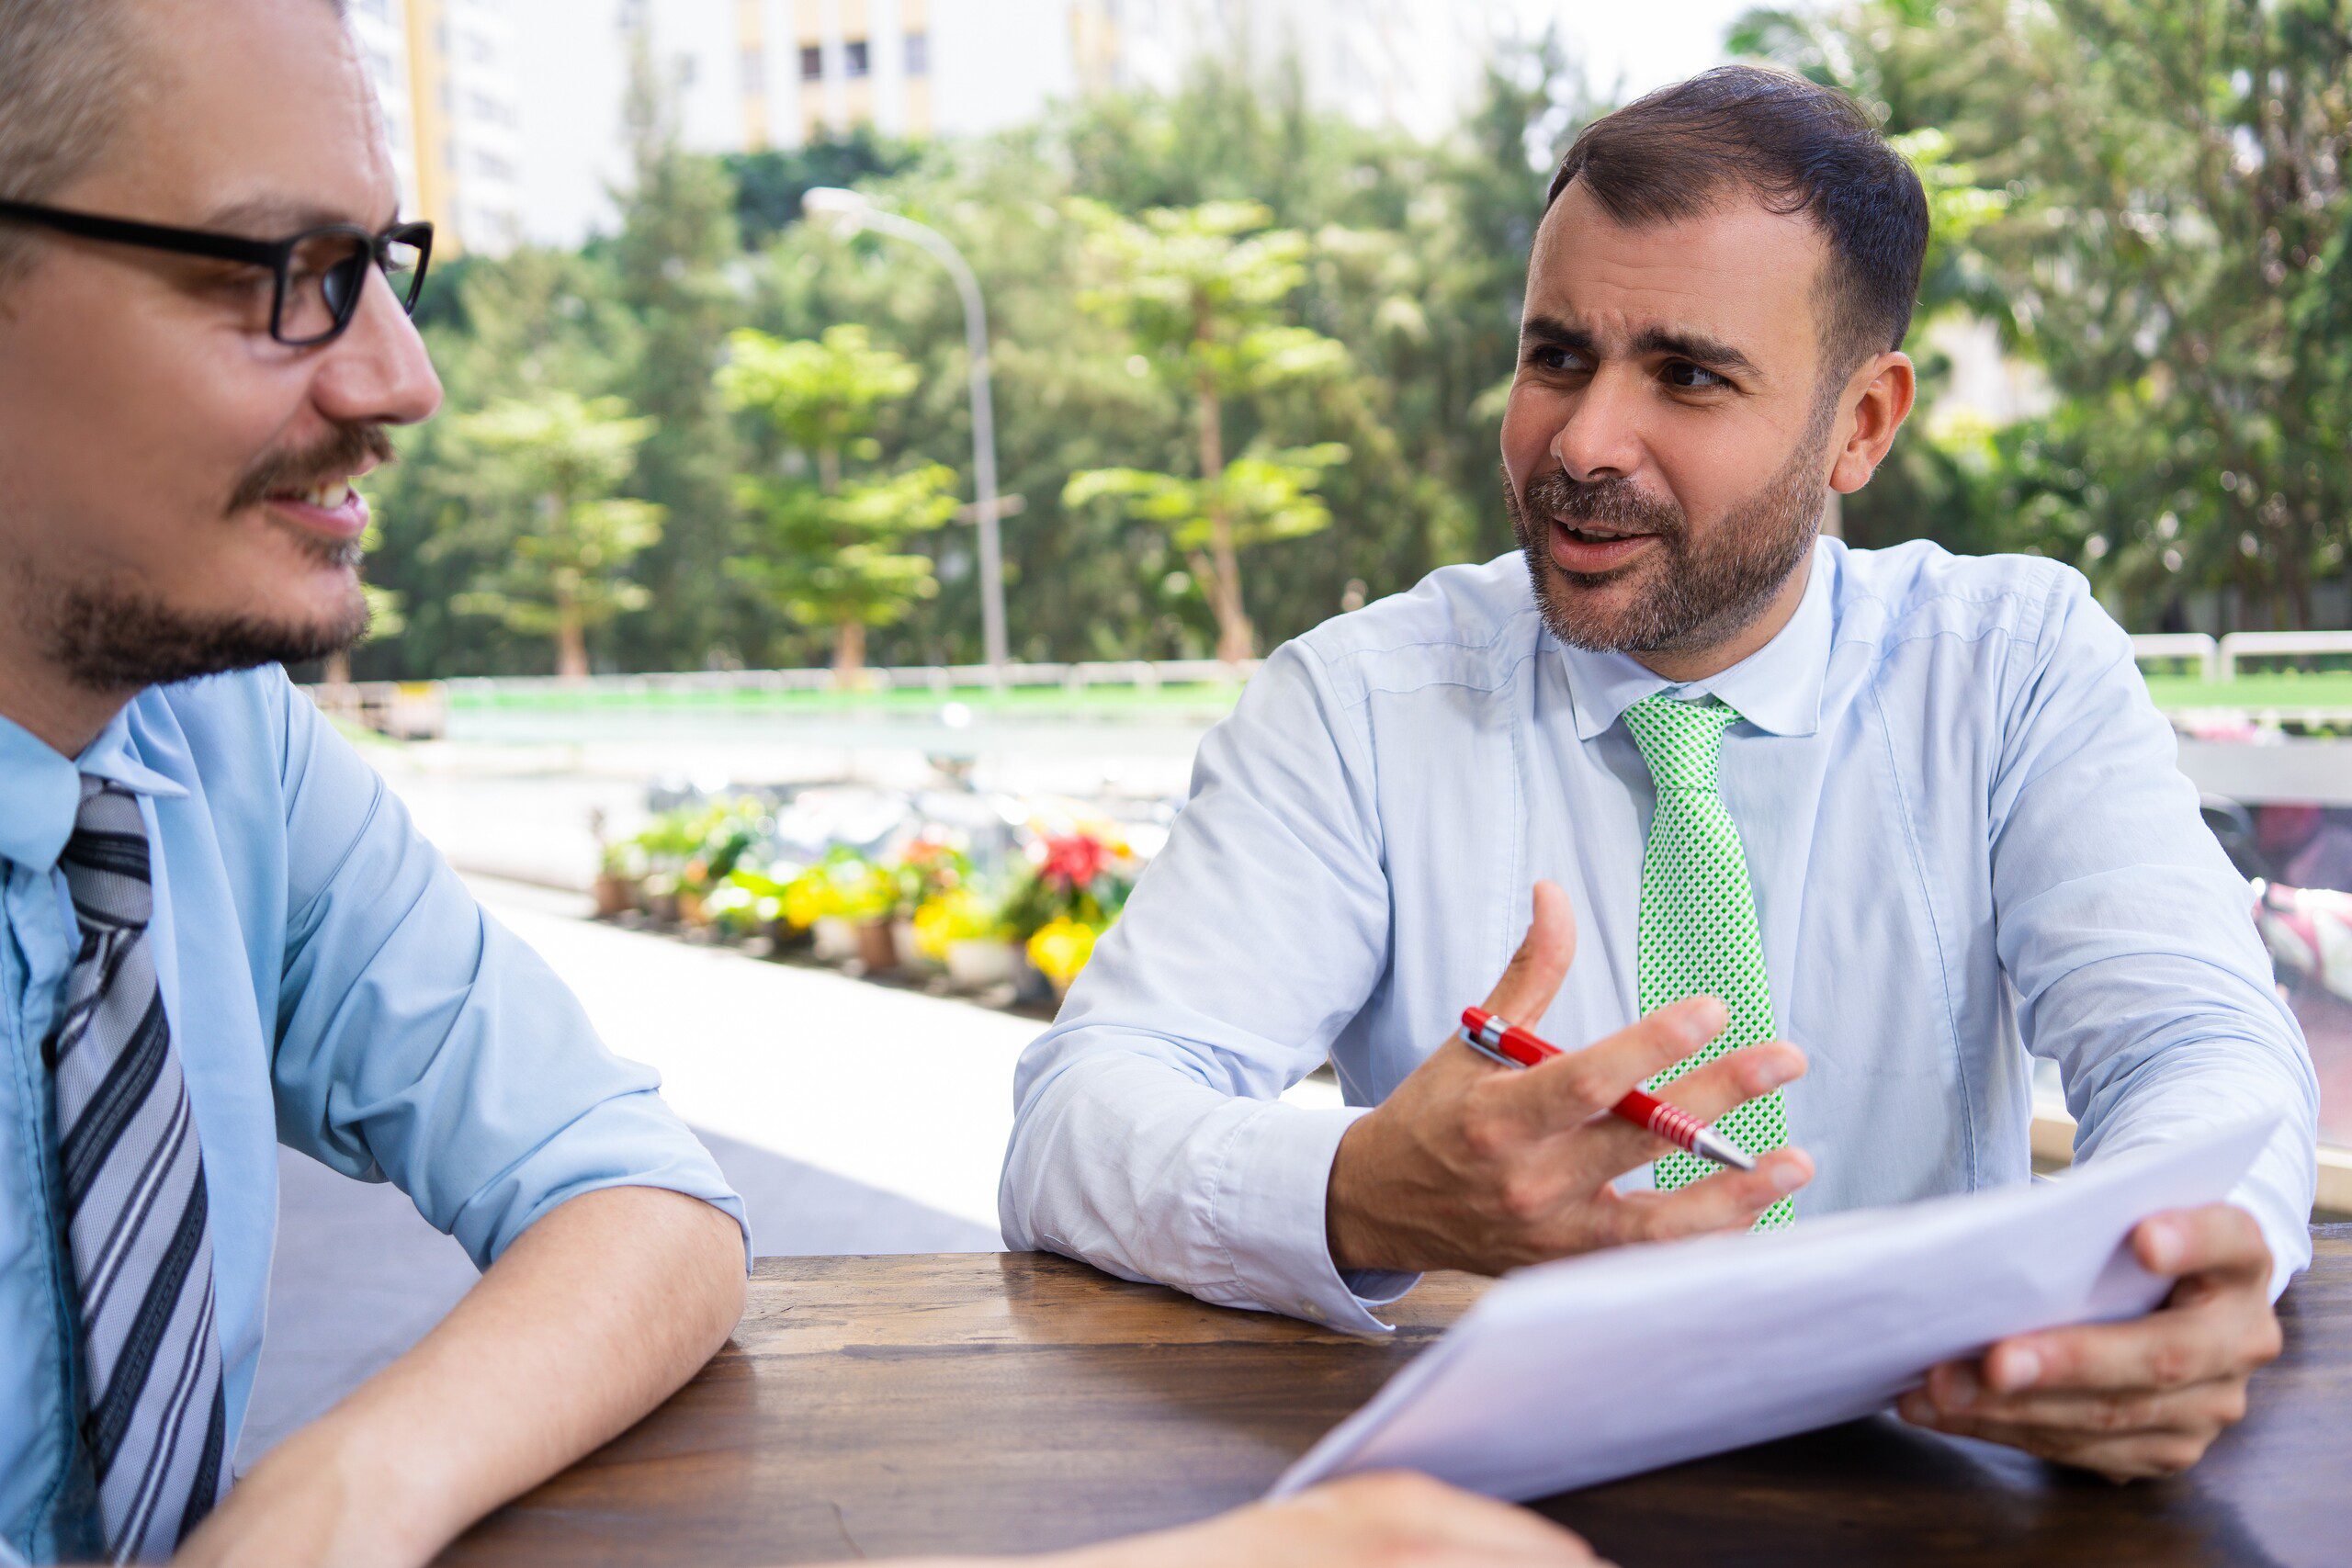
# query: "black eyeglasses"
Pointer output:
{"type": "Point", "coordinates": [322, 273]}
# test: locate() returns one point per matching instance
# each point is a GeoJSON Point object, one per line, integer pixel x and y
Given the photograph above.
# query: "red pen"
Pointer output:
{"type": "Point", "coordinates": [1499, 1040]}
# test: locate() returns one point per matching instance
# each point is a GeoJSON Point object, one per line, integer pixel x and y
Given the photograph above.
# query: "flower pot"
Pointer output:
{"type": "Point", "coordinates": [910, 953]}
{"type": "Point", "coordinates": [877, 946]}
{"type": "Point", "coordinates": [783, 936]}
{"type": "Point", "coordinates": [615, 896]}
{"type": "Point", "coordinates": [834, 939]}
{"type": "Point", "coordinates": [978, 964]}
{"type": "Point", "coordinates": [1029, 982]}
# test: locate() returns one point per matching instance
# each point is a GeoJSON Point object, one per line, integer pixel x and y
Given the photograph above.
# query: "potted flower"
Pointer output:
{"type": "Point", "coordinates": [850, 902]}
{"type": "Point", "coordinates": [922, 871]}
{"type": "Point", "coordinates": [722, 832]}
{"type": "Point", "coordinates": [1060, 949]}
{"type": "Point", "coordinates": [1073, 882]}
{"type": "Point", "coordinates": [620, 878]}
{"type": "Point", "coordinates": [962, 931]}
{"type": "Point", "coordinates": [667, 845]}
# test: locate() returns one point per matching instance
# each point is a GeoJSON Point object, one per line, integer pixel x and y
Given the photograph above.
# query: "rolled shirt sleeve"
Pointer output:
{"type": "Point", "coordinates": [2127, 932]}
{"type": "Point", "coordinates": [1148, 1138]}
{"type": "Point", "coordinates": [420, 1041]}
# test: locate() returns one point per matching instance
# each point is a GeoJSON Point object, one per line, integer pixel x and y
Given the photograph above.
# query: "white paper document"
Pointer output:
{"type": "Point", "coordinates": [1593, 1368]}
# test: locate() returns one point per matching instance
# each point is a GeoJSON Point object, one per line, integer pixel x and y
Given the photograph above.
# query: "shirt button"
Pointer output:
{"type": "Point", "coordinates": [1310, 1311]}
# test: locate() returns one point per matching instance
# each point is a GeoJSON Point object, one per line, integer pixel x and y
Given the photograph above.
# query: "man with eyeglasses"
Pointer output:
{"type": "Point", "coordinates": [219, 931]}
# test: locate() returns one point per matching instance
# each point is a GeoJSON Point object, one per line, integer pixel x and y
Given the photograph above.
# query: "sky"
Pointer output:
{"type": "Point", "coordinates": [1643, 43]}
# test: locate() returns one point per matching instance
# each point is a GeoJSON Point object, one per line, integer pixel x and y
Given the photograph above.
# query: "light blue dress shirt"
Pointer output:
{"type": "Point", "coordinates": [1969, 843]}
{"type": "Point", "coordinates": [330, 985]}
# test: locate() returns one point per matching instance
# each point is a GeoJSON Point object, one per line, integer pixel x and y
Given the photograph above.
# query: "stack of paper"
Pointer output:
{"type": "Point", "coordinates": [1617, 1362]}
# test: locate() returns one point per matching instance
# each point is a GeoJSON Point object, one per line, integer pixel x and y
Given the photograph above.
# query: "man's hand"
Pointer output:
{"type": "Point", "coordinates": [2128, 1400]}
{"type": "Point", "coordinates": [595, 1314]}
{"type": "Point", "coordinates": [1473, 1166]}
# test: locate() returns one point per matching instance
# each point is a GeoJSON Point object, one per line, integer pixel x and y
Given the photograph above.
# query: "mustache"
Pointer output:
{"type": "Point", "coordinates": [1617, 502]}
{"type": "Point", "coordinates": [346, 449]}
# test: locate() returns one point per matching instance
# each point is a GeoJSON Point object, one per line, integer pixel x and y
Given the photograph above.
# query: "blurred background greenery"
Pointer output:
{"type": "Point", "coordinates": [1249, 357]}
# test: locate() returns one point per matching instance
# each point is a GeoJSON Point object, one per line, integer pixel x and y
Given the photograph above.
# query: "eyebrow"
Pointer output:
{"type": "Point", "coordinates": [1682, 342]}
{"type": "Point", "coordinates": [274, 218]}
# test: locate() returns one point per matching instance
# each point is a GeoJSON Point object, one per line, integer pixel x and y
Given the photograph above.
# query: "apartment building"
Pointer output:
{"type": "Point", "coordinates": [445, 71]}
{"type": "Point", "coordinates": [512, 125]}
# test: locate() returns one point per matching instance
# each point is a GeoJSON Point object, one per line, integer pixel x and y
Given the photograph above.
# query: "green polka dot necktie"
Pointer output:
{"type": "Point", "coordinates": [1698, 933]}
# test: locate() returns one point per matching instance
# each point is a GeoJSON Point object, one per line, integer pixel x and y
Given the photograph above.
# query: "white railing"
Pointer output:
{"type": "Point", "coordinates": [2239, 645]}
{"type": "Point", "coordinates": [398, 705]}
{"type": "Point", "coordinates": [2180, 645]}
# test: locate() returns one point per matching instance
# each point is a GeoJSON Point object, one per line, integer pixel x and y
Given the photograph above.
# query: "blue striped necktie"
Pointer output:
{"type": "Point", "coordinates": [152, 1419]}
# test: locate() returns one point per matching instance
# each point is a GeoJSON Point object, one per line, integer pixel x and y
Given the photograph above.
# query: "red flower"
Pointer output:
{"type": "Point", "coordinates": [1074, 861]}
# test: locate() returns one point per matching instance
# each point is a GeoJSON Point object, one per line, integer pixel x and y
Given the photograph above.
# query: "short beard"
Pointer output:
{"type": "Point", "coordinates": [1699, 598]}
{"type": "Point", "coordinates": [106, 639]}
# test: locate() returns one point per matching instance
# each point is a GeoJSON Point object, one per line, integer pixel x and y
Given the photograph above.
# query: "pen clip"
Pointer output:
{"type": "Point", "coordinates": [1482, 1032]}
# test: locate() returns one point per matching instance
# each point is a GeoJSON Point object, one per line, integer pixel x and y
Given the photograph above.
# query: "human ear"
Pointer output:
{"type": "Point", "coordinates": [1888, 388]}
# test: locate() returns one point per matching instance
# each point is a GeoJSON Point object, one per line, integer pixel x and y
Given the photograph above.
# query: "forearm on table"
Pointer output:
{"type": "Point", "coordinates": [604, 1307]}
{"type": "Point", "coordinates": [1136, 1167]}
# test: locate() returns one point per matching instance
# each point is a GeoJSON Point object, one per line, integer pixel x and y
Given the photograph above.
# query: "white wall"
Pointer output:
{"type": "Point", "coordinates": [996, 63]}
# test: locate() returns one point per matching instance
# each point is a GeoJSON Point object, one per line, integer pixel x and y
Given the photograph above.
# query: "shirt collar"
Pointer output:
{"type": "Point", "coordinates": [1777, 688]}
{"type": "Point", "coordinates": [40, 788]}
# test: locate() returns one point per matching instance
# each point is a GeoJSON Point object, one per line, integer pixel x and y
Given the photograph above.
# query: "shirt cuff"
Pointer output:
{"type": "Point", "coordinates": [1270, 1220]}
{"type": "Point", "coordinates": [2290, 1241]}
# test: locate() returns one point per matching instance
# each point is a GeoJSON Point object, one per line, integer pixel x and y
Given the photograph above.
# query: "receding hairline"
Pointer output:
{"type": "Point", "coordinates": [68, 70]}
{"type": "Point", "coordinates": [1743, 133]}
{"type": "Point", "coordinates": [1726, 197]}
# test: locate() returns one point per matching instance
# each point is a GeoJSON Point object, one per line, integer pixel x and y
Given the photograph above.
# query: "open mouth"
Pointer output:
{"type": "Point", "coordinates": [332, 509]}
{"type": "Point", "coordinates": [1589, 532]}
{"type": "Point", "coordinates": [1587, 549]}
{"type": "Point", "coordinates": [330, 497]}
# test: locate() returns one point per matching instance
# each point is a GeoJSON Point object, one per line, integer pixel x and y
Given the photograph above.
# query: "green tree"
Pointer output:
{"type": "Point", "coordinates": [1201, 291]}
{"type": "Point", "coordinates": [385, 620]}
{"type": "Point", "coordinates": [771, 183]}
{"type": "Point", "coordinates": [1260, 497]}
{"type": "Point", "coordinates": [673, 260]}
{"type": "Point", "coordinates": [558, 463]}
{"type": "Point", "coordinates": [833, 552]}
{"type": "Point", "coordinates": [2173, 252]}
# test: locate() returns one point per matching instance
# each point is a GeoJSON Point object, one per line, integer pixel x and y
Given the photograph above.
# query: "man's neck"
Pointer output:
{"type": "Point", "coordinates": [1683, 665]}
{"type": "Point", "coordinates": [55, 711]}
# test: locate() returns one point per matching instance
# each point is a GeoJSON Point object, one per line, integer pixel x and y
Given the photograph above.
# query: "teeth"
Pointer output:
{"type": "Point", "coordinates": [329, 497]}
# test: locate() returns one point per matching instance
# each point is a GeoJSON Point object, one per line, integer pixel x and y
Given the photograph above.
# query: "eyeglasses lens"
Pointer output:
{"type": "Point", "coordinates": [324, 281]}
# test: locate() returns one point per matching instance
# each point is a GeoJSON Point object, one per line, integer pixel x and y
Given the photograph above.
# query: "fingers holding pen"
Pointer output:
{"type": "Point", "coordinates": [1707, 1093]}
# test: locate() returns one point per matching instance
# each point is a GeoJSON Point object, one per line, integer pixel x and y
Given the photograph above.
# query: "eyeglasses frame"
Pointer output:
{"type": "Point", "coordinates": [278, 255]}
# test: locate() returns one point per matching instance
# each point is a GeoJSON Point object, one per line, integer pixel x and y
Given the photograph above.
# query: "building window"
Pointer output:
{"type": "Point", "coordinates": [755, 73]}
{"type": "Point", "coordinates": [855, 54]}
{"type": "Point", "coordinates": [812, 63]}
{"type": "Point", "coordinates": [918, 54]}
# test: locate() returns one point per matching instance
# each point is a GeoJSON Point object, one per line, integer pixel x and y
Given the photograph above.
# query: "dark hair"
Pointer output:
{"type": "Point", "coordinates": [1797, 146]}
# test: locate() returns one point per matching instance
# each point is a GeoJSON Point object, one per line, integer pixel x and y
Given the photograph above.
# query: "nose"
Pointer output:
{"type": "Point", "coordinates": [1601, 438]}
{"type": "Point", "coordinates": [378, 372]}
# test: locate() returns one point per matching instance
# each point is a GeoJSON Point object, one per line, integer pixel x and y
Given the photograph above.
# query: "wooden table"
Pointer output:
{"type": "Point", "coordinates": [875, 1406]}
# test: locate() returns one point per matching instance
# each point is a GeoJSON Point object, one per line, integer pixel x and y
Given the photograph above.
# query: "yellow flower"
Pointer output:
{"type": "Point", "coordinates": [804, 901]}
{"type": "Point", "coordinates": [1061, 949]}
{"type": "Point", "coordinates": [942, 921]}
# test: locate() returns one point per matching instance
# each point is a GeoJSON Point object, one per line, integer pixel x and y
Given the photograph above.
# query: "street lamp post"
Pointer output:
{"type": "Point", "coordinates": [850, 211]}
